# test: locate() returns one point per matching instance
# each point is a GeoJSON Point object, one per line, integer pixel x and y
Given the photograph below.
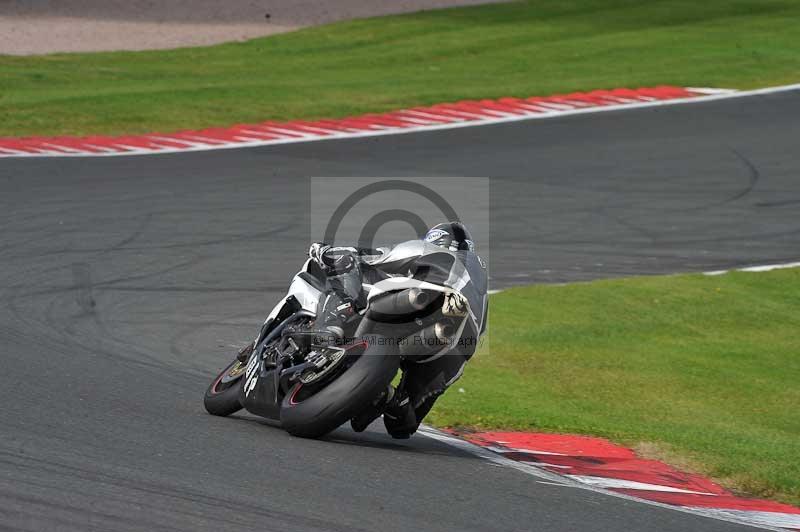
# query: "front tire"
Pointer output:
{"type": "Point", "coordinates": [345, 397]}
{"type": "Point", "coordinates": [222, 397]}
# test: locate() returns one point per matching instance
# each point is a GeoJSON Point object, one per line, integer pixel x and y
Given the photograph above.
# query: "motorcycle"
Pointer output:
{"type": "Point", "coordinates": [311, 381]}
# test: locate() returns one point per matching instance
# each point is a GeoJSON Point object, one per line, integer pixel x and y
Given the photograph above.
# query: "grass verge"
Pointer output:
{"type": "Point", "coordinates": [701, 371]}
{"type": "Point", "coordinates": [529, 48]}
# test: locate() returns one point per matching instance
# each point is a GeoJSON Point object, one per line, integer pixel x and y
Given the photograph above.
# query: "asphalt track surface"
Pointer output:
{"type": "Point", "coordinates": [125, 282]}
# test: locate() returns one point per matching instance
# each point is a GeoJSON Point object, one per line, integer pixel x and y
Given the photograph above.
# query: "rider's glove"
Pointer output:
{"type": "Point", "coordinates": [317, 252]}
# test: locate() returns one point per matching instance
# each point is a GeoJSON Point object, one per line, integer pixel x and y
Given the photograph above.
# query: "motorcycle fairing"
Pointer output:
{"type": "Point", "coordinates": [261, 393]}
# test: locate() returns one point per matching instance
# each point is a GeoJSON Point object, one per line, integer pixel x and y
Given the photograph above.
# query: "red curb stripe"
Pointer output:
{"type": "Point", "coordinates": [431, 114]}
{"type": "Point", "coordinates": [49, 145]}
{"type": "Point", "coordinates": [421, 114]}
{"type": "Point", "coordinates": [590, 460]}
{"type": "Point", "coordinates": [262, 130]}
{"type": "Point", "coordinates": [286, 130]}
{"type": "Point", "coordinates": [416, 118]}
{"type": "Point", "coordinates": [21, 145]}
{"type": "Point", "coordinates": [332, 125]}
{"type": "Point", "coordinates": [167, 142]}
{"type": "Point", "coordinates": [312, 128]}
{"type": "Point", "coordinates": [138, 142]}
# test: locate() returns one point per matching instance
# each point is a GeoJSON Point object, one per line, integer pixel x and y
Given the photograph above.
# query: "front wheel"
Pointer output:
{"type": "Point", "coordinates": [314, 413]}
{"type": "Point", "coordinates": [222, 397]}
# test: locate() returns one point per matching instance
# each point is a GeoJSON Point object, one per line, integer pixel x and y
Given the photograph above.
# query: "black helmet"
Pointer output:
{"type": "Point", "coordinates": [452, 235]}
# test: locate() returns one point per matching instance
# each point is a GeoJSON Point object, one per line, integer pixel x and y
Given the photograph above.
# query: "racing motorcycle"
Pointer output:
{"type": "Point", "coordinates": [311, 381]}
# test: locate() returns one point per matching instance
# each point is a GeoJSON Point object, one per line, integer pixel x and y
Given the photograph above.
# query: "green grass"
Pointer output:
{"type": "Point", "coordinates": [702, 371]}
{"type": "Point", "coordinates": [519, 49]}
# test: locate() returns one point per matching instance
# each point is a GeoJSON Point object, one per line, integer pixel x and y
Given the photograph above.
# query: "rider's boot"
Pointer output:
{"type": "Point", "coordinates": [399, 417]}
{"type": "Point", "coordinates": [245, 352]}
{"type": "Point", "coordinates": [373, 412]}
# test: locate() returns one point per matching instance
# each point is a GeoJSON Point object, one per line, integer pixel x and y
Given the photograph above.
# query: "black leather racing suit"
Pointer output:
{"type": "Point", "coordinates": [348, 269]}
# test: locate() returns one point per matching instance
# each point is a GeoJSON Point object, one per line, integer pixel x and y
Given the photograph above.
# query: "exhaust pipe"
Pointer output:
{"type": "Point", "coordinates": [429, 340]}
{"type": "Point", "coordinates": [444, 330]}
{"type": "Point", "coordinates": [403, 302]}
{"type": "Point", "coordinates": [418, 298]}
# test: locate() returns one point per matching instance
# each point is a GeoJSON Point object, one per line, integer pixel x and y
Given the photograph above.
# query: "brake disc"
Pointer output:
{"type": "Point", "coordinates": [328, 361]}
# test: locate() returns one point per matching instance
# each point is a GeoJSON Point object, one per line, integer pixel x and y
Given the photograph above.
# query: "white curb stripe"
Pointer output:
{"type": "Point", "coordinates": [775, 519]}
{"type": "Point", "coordinates": [630, 485]}
{"type": "Point", "coordinates": [514, 450]}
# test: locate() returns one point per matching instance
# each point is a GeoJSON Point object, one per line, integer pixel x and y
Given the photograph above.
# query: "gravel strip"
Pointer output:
{"type": "Point", "coordinates": [41, 26]}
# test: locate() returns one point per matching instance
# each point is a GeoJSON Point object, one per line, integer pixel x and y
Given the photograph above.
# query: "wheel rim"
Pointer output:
{"type": "Point", "coordinates": [301, 391]}
{"type": "Point", "coordinates": [228, 377]}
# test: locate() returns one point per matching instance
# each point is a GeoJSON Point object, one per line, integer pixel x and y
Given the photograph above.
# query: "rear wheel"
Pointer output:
{"type": "Point", "coordinates": [222, 397]}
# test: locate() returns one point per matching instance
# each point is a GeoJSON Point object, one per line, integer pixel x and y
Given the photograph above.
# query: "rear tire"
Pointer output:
{"type": "Point", "coordinates": [222, 397]}
{"type": "Point", "coordinates": [346, 396]}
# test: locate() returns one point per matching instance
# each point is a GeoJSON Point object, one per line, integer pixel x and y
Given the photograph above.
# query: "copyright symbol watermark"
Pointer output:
{"type": "Point", "coordinates": [373, 212]}
{"type": "Point", "coordinates": [409, 216]}
{"type": "Point", "coordinates": [391, 217]}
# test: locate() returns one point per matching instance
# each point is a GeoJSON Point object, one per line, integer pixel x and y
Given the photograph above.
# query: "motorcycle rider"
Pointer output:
{"type": "Point", "coordinates": [347, 270]}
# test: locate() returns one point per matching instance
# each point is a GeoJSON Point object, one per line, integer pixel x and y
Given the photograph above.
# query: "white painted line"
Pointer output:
{"type": "Point", "coordinates": [770, 267]}
{"type": "Point", "coordinates": [554, 478]}
{"type": "Point", "coordinates": [630, 485]}
{"type": "Point", "coordinates": [761, 268]}
{"type": "Point", "coordinates": [710, 90]}
{"type": "Point", "coordinates": [551, 483]}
